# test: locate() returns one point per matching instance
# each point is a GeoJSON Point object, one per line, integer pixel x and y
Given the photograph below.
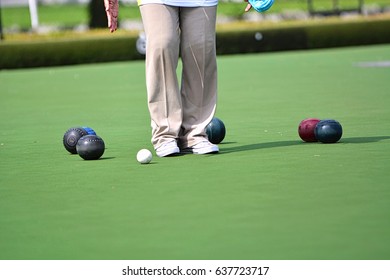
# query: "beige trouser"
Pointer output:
{"type": "Point", "coordinates": [180, 114]}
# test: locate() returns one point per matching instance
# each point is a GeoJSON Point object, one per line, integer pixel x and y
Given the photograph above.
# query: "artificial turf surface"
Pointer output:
{"type": "Point", "coordinates": [266, 195]}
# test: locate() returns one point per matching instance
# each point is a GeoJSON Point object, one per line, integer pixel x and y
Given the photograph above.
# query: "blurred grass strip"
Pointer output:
{"type": "Point", "coordinates": [77, 14]}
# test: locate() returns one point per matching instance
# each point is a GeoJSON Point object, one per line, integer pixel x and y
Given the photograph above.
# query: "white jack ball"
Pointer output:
{"type": "Point", "coordinates": [144, 156]}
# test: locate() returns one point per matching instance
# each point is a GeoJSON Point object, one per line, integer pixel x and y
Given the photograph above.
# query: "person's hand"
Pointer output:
{"type": "Point", "coordinates": [248, 7]}
{"type": "Point", "coordinates": [112, 14]}
{"type": "Point", "coordinates": [259, 5]}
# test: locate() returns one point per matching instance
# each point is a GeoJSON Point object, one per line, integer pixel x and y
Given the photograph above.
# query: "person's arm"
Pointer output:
{"type": "Point", "coordinates": [112, 14]}
{"type": "Point", "coordinates": [248, 7]}
{"type": "Point", "coordinates": [259, 5]}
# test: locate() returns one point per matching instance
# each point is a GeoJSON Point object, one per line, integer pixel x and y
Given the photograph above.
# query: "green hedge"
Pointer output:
{"type": "Point", "coordinates": [304, 37]}
{"type": "Point", "coordinates": [232, 42]}
{"type": "Point", "coordinates": [356, 33]}
{"type": "Point", "coordinates": [67, 52]}
{"type": "Point", "coordinates": [250, 40]}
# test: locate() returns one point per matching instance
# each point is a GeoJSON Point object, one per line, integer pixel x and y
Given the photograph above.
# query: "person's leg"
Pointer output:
{"type": "Point", "coordinates": [161, 24]}
{"type": "Point", "coordinates": [199, 76]}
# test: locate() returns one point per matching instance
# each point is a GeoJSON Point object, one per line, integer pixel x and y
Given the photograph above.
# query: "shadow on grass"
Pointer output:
{"type": "Point", "coordinates": [360, 140]}
{"type": "Point", "coordinates": [105, 158]}
{"type": "Point", "coordinates": [258, 146]}
{"type": "Point", "coordinates": [278, 144]}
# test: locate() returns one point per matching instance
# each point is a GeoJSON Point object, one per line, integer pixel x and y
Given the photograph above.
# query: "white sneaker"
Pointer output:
{"type": "Point", "coordinates": [168, 148]}
{"type": "Point", "coordinates": [204, 147]}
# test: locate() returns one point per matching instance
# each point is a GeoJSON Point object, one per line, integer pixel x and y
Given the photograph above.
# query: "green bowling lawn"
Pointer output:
{"type": "Point", "coordinates": [266, 195]}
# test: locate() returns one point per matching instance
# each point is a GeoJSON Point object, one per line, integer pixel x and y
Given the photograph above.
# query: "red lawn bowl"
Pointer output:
{"type": "Point", "coordinates": [306, 129]}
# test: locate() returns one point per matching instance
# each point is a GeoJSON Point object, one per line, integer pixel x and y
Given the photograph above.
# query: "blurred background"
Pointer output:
{"type": "Point", "coordinates": [37, 33]}
{"type": "Point", "coordinates": [44, 16]}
